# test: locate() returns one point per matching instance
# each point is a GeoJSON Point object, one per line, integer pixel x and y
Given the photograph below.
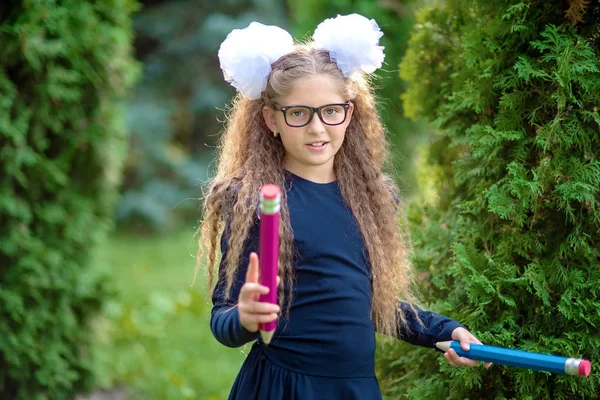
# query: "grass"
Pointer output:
{"type": "Point", "coordinates": [154, 336]}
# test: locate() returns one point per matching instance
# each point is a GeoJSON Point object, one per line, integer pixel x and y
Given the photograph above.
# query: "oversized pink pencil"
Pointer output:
{"type": "Point", "coordinates": [270, 203]}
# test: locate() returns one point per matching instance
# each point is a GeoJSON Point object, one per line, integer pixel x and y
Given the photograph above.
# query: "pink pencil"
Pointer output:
{"type": "Point", "coordinates": [270, 203]}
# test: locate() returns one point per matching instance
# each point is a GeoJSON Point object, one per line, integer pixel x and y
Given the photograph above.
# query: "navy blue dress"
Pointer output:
{"type": "Point", "coordinates": [326, 348]}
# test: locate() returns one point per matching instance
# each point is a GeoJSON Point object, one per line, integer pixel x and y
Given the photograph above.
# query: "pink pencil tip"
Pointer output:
{"type": "Point", "coordinates": [584, 368]}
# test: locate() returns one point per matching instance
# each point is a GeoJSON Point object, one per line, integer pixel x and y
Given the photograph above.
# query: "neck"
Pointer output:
{"type": "Point", "coordinates": [317, 173]}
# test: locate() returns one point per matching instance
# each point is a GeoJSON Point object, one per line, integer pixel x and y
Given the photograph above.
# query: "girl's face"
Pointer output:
{"type": "Point", "coordinates": [310, 149]}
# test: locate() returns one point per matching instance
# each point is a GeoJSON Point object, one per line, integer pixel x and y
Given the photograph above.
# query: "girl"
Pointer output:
{"type": "Point", "coordinates": [306, 120]}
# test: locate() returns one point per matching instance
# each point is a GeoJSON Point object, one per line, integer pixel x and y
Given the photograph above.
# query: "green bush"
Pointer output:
{"type": "Point", "coordinates": [63, 68]}
{"type": "Point", "coordinates": [511, 239]}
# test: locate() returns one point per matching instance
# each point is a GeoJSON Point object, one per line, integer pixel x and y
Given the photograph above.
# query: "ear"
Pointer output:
{"type": "Point", "coordinates": [269, 116]}
{"type": "Point", "coordinates": [349, 116]}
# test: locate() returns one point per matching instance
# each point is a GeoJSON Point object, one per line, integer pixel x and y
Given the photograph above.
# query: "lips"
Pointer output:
{"type": "Point", "coordinates": [318, 145]}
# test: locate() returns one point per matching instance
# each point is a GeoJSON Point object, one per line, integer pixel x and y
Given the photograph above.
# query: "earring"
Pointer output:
{"type": "Point", "coordinates": [274, 133]}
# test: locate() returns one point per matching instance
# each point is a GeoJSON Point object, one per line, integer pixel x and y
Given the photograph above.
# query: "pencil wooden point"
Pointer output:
{"type": "Point", "coordinates": [443, 346]}
{"type": "Point", "coordinates": [266, 336]}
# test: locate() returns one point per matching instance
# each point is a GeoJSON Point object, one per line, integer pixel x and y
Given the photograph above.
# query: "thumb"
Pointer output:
{"type": "Point", "coordinates": [465, 344]}
{"type": "Point", "coordinates": [252, 273]}
{"type": "Point", "coordinates": [464, 337]}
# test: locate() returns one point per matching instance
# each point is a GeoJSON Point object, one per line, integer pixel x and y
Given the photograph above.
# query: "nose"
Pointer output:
{"type": "Point", "coordinates": [316, 125]}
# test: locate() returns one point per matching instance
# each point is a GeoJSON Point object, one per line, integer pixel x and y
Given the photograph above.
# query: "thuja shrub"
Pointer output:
{"type": "Point", "coordinates": [64, 66]}
{"type": "Point", "coordinates": [510, 239]}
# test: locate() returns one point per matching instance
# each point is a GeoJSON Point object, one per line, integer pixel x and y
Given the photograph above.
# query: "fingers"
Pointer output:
{"type": "Point", "coordinates": [257, 307]}
{"type": "Point", "coordinates": [251, 321]}
{"type": "Point", "coordinates": [456, 361]}
{"type": "Point", "coordinates": [252, 312]}
{"type": "Point", "coordinates": [252, 291]}
{"type": "Point", "coordinates": [465, 338]}
{"type": "Point", "coordinates": [466, 345]}
{"type": "Point", "coordinates": [252, 273]}
{"type": "Point", "coordinates": [264, 318]}
{"type": "Point", "coordinates": [450, 360]}
{"type": "Point", "coordinates": [259, 319]}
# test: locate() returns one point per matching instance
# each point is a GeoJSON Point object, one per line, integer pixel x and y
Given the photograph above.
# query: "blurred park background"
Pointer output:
{"type": "Point", "coordinates": [110, 112]}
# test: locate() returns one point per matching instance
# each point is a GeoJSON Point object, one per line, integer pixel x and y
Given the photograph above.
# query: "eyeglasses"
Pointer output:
{"type": "Point", "coordinates": [329, 114]}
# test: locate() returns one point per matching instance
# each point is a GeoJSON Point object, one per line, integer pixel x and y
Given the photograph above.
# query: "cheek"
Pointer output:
{"type": "Point", "coordinates": [289, 140]}
{"type": "Point", "coordinates": [339, 134]}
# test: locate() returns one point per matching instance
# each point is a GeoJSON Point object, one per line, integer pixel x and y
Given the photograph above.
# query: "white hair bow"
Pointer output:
{"type": "Point", "coordinates": [246, 54]}
{"type": "Point", "coordinates": [352, 41]}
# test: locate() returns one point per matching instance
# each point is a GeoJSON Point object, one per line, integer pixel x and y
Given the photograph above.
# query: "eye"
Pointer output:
{"type": "Point", "coordinates": [331, 111]}
{"type": "Point", "coordinates": [297, 112]}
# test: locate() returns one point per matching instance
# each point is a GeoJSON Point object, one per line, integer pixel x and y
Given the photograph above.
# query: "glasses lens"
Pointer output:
{"type": "Point", "coordinates": [297, 116]}
{"type": "Point", "coordinates": [333, 114]}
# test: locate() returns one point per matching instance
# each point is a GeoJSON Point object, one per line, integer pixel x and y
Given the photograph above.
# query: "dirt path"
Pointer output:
{"type": "Point", "coordinates": [112, 394]}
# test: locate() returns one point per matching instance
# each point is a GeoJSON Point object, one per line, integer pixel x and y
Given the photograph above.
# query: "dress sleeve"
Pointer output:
{"type": "Point", "coordinates": [435, 328]}
{"type": "Point", "coordinates": [224, 320]}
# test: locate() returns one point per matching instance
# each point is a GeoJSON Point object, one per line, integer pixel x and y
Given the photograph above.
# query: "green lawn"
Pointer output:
{"type": "Point", "coordinates": [155, 337]}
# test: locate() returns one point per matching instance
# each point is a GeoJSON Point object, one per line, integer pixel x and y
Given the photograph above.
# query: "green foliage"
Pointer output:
{"type": "Point", "coordinates": [63, 69]}
{"type": "Point", "coordinates": [395, 19]}
{"type": "Point", "coordinates": [511, 243]}
{"type": "Point", "coordinates": [154, 337]}
{"type": "Point", "coordinates": [175, 113]}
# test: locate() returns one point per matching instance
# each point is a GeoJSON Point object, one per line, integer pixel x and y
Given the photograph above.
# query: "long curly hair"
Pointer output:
{"type": "Point", "coordinates": [250, 156]}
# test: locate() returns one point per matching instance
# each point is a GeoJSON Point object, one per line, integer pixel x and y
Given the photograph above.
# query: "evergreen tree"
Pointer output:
{"type": "Point", "coordinates": [175, 112]}
{"type": "Point", "coordinates": [63, 68]}
{"type": "Point", "coordinates": [510, 242]}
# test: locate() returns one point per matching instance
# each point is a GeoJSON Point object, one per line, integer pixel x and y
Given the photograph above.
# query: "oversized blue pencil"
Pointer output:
{"type": "Point", "coordinates": [521, 359]}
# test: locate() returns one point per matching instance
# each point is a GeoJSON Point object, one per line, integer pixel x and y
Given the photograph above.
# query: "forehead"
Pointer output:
{"type": "Point", "coordinates": [314, 91]}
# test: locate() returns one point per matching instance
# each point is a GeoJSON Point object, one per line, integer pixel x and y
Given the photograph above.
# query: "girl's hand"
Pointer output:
{"type": "Point", "coordinates": [251, 311]}
{"type": "Point", "coordinates": [465, 338]}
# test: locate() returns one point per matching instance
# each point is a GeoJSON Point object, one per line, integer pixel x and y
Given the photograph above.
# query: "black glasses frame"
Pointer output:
{"type": "Point", "coordinates": [314, 110]}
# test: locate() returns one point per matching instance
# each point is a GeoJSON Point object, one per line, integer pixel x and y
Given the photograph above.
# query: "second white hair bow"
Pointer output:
{"type": "Point", "coordinates": [246, 54]}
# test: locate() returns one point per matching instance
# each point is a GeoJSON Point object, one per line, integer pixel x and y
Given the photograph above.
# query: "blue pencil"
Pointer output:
{"type": "Point", "coordinates": [521, 359]}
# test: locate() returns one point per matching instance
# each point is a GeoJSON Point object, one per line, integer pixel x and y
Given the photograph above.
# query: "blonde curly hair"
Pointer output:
{"type": "Point", "coordinates": [250, 156]}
